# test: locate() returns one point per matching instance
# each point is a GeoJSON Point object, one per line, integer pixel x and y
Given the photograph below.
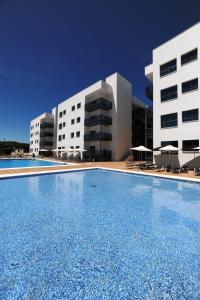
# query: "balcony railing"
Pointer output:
{"type": "Point", "coordinates": [46, 134]}
{"type": "Point", "coordinates": [98, 120]}
{"type": "Point", "coordinates": [149, 91]}
{"type": "Point", "coordinates": [98, 136]}
{"type": "Point", "coordinates": [46, 125]}
{"type": "Point", "coordinates": [98, 155]}
{"type": "Point", "coordinates": [46, 143]}
{"type": "Point", "coordinates": [99, 103]}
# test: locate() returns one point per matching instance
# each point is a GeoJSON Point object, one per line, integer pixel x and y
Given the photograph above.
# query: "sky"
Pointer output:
{"type": "Point", "coordinates": [52, 49]}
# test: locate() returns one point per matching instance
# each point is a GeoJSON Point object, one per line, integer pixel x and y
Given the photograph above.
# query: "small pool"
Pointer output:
{"type": "Point", "coordinates": [24, 163]}
{"type": "Point", "coordinates": [99, 234]}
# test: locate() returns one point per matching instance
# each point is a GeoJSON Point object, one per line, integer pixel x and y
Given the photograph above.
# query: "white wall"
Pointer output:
{"type": "Point", "coordinates": [174, 48]}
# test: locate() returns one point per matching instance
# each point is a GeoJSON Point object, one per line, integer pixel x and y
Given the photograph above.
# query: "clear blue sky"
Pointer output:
{"type": "Point", "coordinates": [51, 49]}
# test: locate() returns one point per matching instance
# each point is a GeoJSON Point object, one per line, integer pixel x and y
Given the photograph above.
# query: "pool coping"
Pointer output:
{"type": "Point", "coordinates": [49, 172]}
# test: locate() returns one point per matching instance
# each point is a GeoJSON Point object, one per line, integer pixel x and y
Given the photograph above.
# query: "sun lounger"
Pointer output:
{"type": "Point", "coordinates": [183, 169]}
{"type": "Point", "coordinates": [197, 171]}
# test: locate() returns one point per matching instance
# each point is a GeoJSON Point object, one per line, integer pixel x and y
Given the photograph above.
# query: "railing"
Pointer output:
{"type": "Point", "coordinates": [46, 125]}
{"type": "Point", "coordinates": [46, 133]}
{"type": "Point", "coordinates": [46, 143]}
{"type": "Point", "coordinates": [149, 91]}
{"type": "Point", "coordinates": [98, 155]}
{"type": "Point", "coordinates": [99, 103]}
{"type": "Point", "coordinates": [97, 120]}
{"type": "Point", "coordinates": [98, 136]}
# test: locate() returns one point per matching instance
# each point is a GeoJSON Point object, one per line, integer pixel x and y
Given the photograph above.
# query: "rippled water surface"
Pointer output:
{"type": "Point", "coordinates": [22, 163]}
{"type": "Point", "coordinates": [99, 235]}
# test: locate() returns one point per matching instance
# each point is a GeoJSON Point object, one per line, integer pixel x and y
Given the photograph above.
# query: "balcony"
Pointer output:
{"type": "Point", "coordinates": [98, 136]}
{"type": "Point", "coordinates": [98, 120]}
{"type": "Point", "coordinates": [46, 134]}
{"type": "Point", "coordinates": [46, 125]}
{"type": "Point", "coordinates": [149, 91]}
{"type": "Point", "coordinates": [99, 103]}
{"type": "Point", "coordinates": [46, 143]}
{"type": "Point", "coordinates": [149, 133]}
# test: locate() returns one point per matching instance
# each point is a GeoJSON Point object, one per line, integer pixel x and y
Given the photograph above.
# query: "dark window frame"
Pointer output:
{"type": "Point", "coordinates": [72, 135]}
{"type": "Point", "coordinates": [72, 121]}
{"type": "Point", "coordinates": [171, 123]}
{"type": "Point", "coordinates": [190, 59]}
{"type": "Point", "coordinates": [170, 93]}
{"type": "Point", "coordinates": [191, 118]}
{"type": "Point", "coordinates": [168, 68]}
{"type": "Point", "coordinates": [190, 148]}
{"type": "Point", "coordinates": [78, 134]}
{"type": "Point", "coordinates": [188, 86]}
{"type": "Point", "coordinates": [78, 119]}
{"type": "Point", "coordinates": [73, 108]}
{"type": "Point", "coordinates": [79, 105]}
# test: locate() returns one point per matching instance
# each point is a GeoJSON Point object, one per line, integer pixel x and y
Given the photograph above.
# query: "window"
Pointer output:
{"type": "Point", "coordinates": [169, 120]}
{"type": "Point", "coordinates": [64, 112]}
{"type": "Point", "coordinates": [78, 120]}
{"type": "Point", "coordinates": [60, 114]}
{"type": "Point", "coordinates": [72, 121]}
{"type": "Point", "coordinates": [168, 93]}
{"type": "Point", "coordinates": [188, 145]}
{"type": "Point", "coordinates": [168, 68]}
{"type": "Point", "coordinates": [189, 56]}
{"type": "Point", "coordinates": [78, 134]}
{"type": "Point", "coordinates": [60, 138]}
{"type": "Point", "coordinates": [190, 115]}
{"type": "Point", "coordinates": [79, 105]}
{"type": "Point", "coordinates": [63, 136]}
{"type": "Point", "coordinates": [73, 107]}
{"type": "Point", "coordinates": [190, 85]}
{"type": "Point", "coordinates": [71, 147]}
{"type": "Point", "coordinates": [77, 147]}
{"type": "Point", "coordinates": [166, 143]}
{"type": "Point", "coordinates": [64, 124]}
{"type": "Point", "coordinates": [72, 135]}
{"type": "Point", "coordinates": [60, 126]}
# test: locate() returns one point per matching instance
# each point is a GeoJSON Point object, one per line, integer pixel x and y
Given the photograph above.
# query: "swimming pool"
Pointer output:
{"type": "Point", "coordinates": [24, 163]}
{"type": "Point", "coordinates": [99, 234]}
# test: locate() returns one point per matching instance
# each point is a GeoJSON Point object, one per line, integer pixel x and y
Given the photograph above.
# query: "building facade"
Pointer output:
{"type": "Point", "coordinates": [97, 119]}
{"type": "Point", "coordinates": [175, 75]}
{"type": "Point", "coordinates": [42, 133]}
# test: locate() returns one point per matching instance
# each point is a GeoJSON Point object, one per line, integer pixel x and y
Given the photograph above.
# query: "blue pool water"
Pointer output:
{"type": "Point", "coordinates": [99, 235]}
{"type": "Point", "coordinates": [23, 163]}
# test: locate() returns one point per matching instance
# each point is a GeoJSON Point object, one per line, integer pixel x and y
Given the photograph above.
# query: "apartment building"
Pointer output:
{"type": "Point", "coordinates": [97, 119]}
{"type": "Point", "coordinates": [42, 133]}
{"type": "Point", "coordinates": [175, 74]}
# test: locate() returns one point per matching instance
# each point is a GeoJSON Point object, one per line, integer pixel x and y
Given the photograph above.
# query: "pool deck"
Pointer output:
{"type": "Point", "coordinates": [117, 166]}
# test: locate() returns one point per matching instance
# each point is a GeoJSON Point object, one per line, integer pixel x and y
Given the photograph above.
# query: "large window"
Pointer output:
{"type": "Point", "coordinates": [190, 115]}
{"type": "Point", "coordinates": [189, 145]}
{"type": "Point", "coordinates": [169, 120]}
{"type": "Point", "coordinates": [168, 93]}
{"type": "Point", "coordinates": [168, 67]}
{"type": "Point", "coordinates": [189, 56]}
{"type": "Point", "coordinates": [190, 85]}
{"type": "Point", "coordinates": [166, 143]}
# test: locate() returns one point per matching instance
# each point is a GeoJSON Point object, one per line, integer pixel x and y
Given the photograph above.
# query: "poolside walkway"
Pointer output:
{"type": "Point", "coordinates": [110, 165]}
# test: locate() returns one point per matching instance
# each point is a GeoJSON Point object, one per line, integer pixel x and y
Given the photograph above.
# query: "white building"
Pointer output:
{"type": "Point", "coordinates": [97, 119]}
{"type": "Point", "coordinates": [42, 133]}
{"type": "Point", "coordinates": [175, 75]}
